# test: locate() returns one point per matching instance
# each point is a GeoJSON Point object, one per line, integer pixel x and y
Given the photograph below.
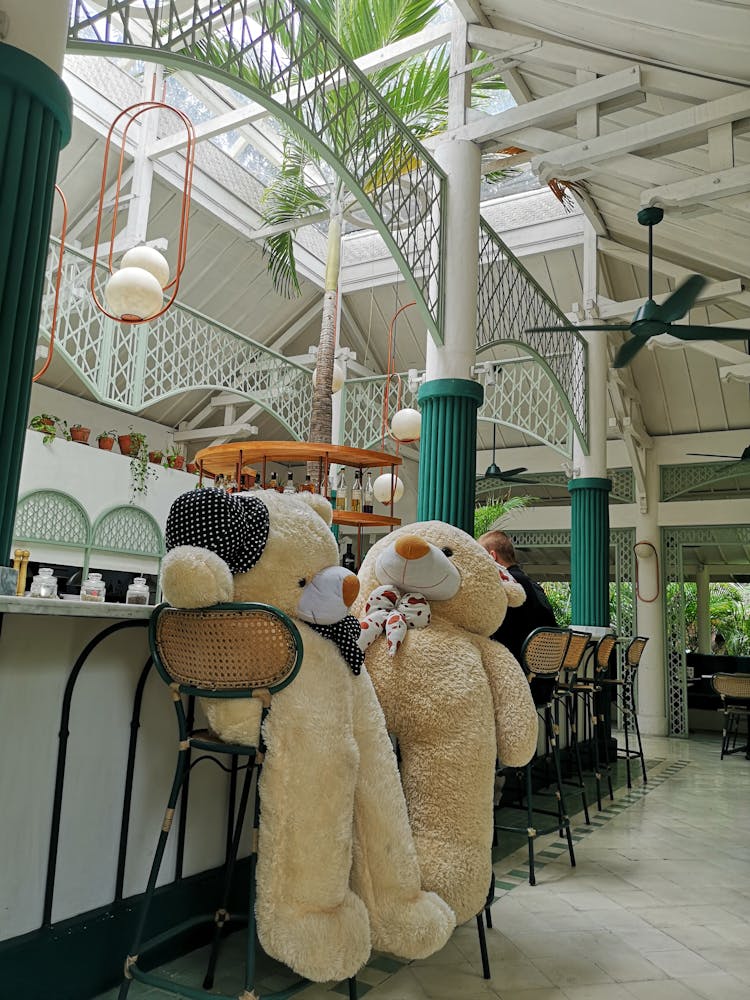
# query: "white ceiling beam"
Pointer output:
{"type": "Point", "coordinates": [201, 433]}
{"type": "Point", "coordinates": [735, 373]}
{"type": "Point", "coordinates": [422, 41]}
{"type": "Point", "coordinates": [721, 147]}
{"type": "Point", "coordinates": [713, 348]}
{"type": "Point", "coordinates": [577, 160]}
{"type": "Point", "coordinates": [639, 258]}
{"type": "Point", "coordinates": [292, 224]}
{"type": "Point", "coordinates": [699, 190]}
{"type": "Point", "coordinates": [516, 85]}
{"type": "Point", "coordinates": [471, 11]}
{"type": "Point", "coordinates": [555, 109]}
{"type": "Point", "coordinates": [714, 291]}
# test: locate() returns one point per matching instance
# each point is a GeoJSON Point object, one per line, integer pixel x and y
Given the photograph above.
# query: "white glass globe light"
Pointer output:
{"type": "Point", "coordinates": [338, 377]}
{"type": "Point", "coordinates": [150, 260]}
{"type": "Point", "coordinates": [406, 424]}
{"type": "Point", "coordinates": [385, 485]}
{"type": "Point", "coordinates": [133, 294]}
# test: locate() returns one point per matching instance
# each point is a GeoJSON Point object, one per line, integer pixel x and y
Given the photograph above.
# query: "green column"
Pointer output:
{"type": "Point", "coordinates": [35, 122]}
{"type": "Point", "coordinates": [589, 550]}
{"type": "Point", "coordinates": [447, 451]}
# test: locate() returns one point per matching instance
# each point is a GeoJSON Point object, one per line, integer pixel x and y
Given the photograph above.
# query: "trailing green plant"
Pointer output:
{"type": "Point", "coordinates": [107, 434]}
{"type": "Point", "coordinates": [141, 470]}
{"type": "Point", "coordinates": [174, 457]}
{"type": "Point", "coordinates": [51, 426]}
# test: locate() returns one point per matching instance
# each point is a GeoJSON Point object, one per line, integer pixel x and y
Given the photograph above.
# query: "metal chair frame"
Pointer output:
{"type": "Point", "coordinates": [542, 655]}
{"type": "Point", "coordinates": [624, 689]}
{"type": "Point", "coordinates": [169, 630]}
{"type": "Point", "coordinates": [590, 689]}
{"type": "Point", "coordinates": [566, 695]}
{"type": "Point", "coordinates": [734, 690]}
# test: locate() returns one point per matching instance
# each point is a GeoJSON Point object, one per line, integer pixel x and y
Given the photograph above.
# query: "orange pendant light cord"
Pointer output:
{"type": "Point", "coordinates": [58, 282]}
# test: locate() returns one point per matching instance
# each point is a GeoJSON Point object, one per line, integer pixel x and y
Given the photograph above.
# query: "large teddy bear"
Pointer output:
{"type": "Point", "coordinates": [430, 596]}
{"type": "Point", "coordinates": [337, 871]}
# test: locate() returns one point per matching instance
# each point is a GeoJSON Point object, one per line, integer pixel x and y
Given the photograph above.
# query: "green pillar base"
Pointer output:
{"type": "Point", "coordinates": [35, 121]}
{"type": "Point", "coordinates": [447, 451]}
{"type": "Point", "coordinates": [589, 550]}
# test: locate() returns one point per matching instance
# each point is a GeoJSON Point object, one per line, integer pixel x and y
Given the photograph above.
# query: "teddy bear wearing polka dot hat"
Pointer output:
{"type": "Point", "coordinates": [337, 871]}
{"type": "Point", "coordinates": [430, 597]}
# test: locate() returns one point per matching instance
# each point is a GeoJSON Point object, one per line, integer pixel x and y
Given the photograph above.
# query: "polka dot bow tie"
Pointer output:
{"type": "Point", "coordinates": [389, 611]}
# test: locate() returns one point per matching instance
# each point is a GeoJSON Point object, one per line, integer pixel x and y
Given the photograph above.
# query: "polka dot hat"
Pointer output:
{"type": "Point", "coordinates": [235, 527]}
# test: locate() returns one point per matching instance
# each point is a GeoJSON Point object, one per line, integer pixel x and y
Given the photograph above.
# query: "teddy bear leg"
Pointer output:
{"type": "Point", "coordinates": [308, 917]}
{"type": "Point", "coordinates": [404, 920]}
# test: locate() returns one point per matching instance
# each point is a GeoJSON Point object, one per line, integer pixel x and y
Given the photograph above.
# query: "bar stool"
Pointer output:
{"type": "Point", "coordinates": [590, 689]}
{"type": "Point", "coordinates": [542, 657]}
{"type": "Point", "coordinates": [734, 690]}
{"type": "Point", "coordinates": [566, 694]}
{"type": "Point", "coordinates": [227, 651]}
{"type": "Point", "coordinates": [624, 697]}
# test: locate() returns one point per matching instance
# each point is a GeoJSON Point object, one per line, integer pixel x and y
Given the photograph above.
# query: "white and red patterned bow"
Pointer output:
{"type": "Point", "coordinates": [389, 611]}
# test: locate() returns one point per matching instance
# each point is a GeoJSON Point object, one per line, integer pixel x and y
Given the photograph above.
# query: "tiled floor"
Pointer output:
{"type": "Point", "coordinates": [658, 907]}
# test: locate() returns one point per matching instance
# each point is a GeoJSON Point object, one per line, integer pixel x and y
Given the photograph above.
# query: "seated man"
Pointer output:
{"type": "Point", "coordinates": [535, 612]}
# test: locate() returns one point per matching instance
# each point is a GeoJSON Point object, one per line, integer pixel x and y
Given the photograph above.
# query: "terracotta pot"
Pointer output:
{"type": "Point", "coordinates": [155, 457]}
{"type": "Point", "coordinates": [191, 467]}
{"type": "Point", "coordinates": [80, 434]}
{"type": "Point", "coordinates": [176, 462]}
{"type": "Point", "coordinates": [106, 443]}
{"type": "Point", "coordinates": [123, 442]}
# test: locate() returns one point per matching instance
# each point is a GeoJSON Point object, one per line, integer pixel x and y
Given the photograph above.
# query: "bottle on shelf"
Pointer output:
{"type": "Point", "coordinates": [341, 490]}
{"type": "Point", "coordinates": [273, 482]}
{"type": "Point", "coordinates": [93, 588]}
{"type": "Point", "coordinates": [289, 486]}
{"type": "Point", "coordinates": [368, 497]}
{"type": "Point", "coordinates": [356, 501]}
{"type": "Point", "coordinates": [347, 560]}
{"type": "Point", "coordinates": [137, 592]}
{"type": "Point", "coordinates": [44, 583]}
{"type": "Point", "coordinates": [332, 489]}
{"type": "Point", "coordinates": [307, 486]}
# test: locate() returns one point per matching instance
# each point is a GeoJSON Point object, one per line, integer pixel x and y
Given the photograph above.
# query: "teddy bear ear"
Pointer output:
{"type": "Point", "coordinates": [319, 504]}
{"type": "Point", "coordinates": [514, 592]}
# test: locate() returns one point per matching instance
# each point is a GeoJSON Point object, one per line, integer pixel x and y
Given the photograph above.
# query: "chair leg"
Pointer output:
{"type": "Point", "coordinates": [594, 718]}
{"type": "Point", "coordinates": [638, 737]}
{"type": "Point", "coordinates": [174, 794]}
{"type": "Point", "coordinates": [605, 742]}
{"type": "Point", "coordinates": [570, 712]}
{"type": "Point", "coordinates": [483, 948]}
{"type": "Point", "coordinates": [489, 901]}
{"type": "Point", "coordinates": [353, 988]}
{"type": "Point", "coordinates": [221, 914]}
{"type": "Point", "coordinates": [530, 831]}
{"type": "Point", "coordinates": [625, 726]}
{"type": "Point", "coordinates": [564, 818]}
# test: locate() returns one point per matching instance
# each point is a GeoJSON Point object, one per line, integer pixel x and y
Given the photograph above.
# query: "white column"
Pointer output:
{"type": "Point", "coordinates": [461, 161]}
{"type": "Point", "coordinates": [593, 465]}
{"type": "Point", "coordinates": [652, 672]}
{"type": "Point", "coordinates": [39, 28]}
{"type": "Point", "coordinates": [702, 580]}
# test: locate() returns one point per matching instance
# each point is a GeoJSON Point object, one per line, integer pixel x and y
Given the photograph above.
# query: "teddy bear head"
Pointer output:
{"type": "Point", "coordinates": [449, 568]}
{"type": "Point", "coordinates": [263, 547]}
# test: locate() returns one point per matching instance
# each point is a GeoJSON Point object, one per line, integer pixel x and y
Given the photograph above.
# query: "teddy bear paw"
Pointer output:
{"type": "Point", "coordinates": [413, 928]}
{"type": "Point", "coordinates": [195, 578]}
{"type": "Point", "coordinates": [319, 944]}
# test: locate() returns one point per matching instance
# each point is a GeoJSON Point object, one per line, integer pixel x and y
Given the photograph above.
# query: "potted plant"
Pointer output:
{"type": "Point", "coordinates": [79, 433]}
{"type": "Point", "coordinates": [106, 440]}
{"type": "Point", "coordinates": [175, 458]}
{"type": "Point", "coordinates": [140, 467]}
{"type": "Point", "coordinates": [49, 425]}
{"type": "Point", "coordinates": [155, 457]}
{"type": "Point", "coordinates": [192, 468]}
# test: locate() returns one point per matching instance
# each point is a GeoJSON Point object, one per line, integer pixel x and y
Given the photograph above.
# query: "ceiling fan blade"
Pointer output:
{"type": "Point", "coordinates": [628, 351]}
{"type": "Point", "coordinates": [709, 333]}
{"type": "Point", "coordinates": [576, 329]}
{"type": "Point", "coordinates": [682, 299]}
{"type": "Point", "coordinates": [513, 472]}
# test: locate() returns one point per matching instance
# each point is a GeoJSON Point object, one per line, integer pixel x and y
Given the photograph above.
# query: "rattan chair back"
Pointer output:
{"type": "Point", "coordinates": [577, 646]}
{"type": "Point", "coordinates": [634, 652]}
{"type": "Point", "coordinates": [733, 687]}
{"type": "Point", "coordinates": [603, 653]}
{"type": "Point", "coordinates": [226, 651]}
{"type": "Point", "coordinates": [544, 650]}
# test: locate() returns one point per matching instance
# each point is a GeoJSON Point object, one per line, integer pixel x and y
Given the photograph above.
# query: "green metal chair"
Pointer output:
{"type": "Point", "coordinates": [542, 657]}
{"type": "Point", "coordinates": [734, 690]}
{"type": "Point", "coordinates": [226, 651]}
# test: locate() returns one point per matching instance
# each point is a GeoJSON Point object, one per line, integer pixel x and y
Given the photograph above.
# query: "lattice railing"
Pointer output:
{"type": "Point", "coordinates": [673, 541]}
{"type": "Point", "coordinates": [128, 530]}
{"type": "Point", "coordinates": [678, 481]}
{"type": "Point", "coordinates": [362, 410]}
{"type": "Point", "coordinates": [525, 398]}
{"type": "Point", "coordinates": [623, 484]}
{"type": "Point", "coordinates": [131, 367]}
{"type": "Point", "coordinates": [510, 301]}
{"type": "Point", "coordinates": [275, 51]}
{"type": "Point", "coordinates": [53, 517]}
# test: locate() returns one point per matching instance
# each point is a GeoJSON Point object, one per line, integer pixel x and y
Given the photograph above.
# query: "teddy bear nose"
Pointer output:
{"type": "Point", "coordinates": [411, 547]}
{"type": "Point", "coordinates": [350, 589]}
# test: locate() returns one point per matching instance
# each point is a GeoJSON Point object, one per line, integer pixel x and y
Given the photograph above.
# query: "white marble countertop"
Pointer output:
{"type": "Point", "coordinates": [72, 609]}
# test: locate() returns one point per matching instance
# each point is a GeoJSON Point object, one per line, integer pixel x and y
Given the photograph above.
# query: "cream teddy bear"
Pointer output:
{"type": "Point", "coordinates": [430, 596]}
{"type": "Point", "coordinates": [337, 871]}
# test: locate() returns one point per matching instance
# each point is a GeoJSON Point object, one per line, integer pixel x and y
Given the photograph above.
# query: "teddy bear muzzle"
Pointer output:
{"type": "Point", "coordinates": [327, 597]}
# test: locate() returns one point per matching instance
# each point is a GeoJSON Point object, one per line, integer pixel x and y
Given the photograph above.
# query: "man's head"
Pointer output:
{"type": "Point", "coordinates": [499, 547]}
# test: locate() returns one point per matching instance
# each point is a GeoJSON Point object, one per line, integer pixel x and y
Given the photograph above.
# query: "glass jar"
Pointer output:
{"type": "Point", "coordinates": [44, 584]}
{"type": "Point", "coordinates": [137, 591]}
{"type": "Point", "coordinates": [93, 588]}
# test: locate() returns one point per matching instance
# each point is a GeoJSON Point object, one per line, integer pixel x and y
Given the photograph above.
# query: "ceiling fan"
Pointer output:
{"type": "Point", "coordinates": [494, 471]}
{"type": "Point", "coordinates": [744, 457]}
{"type": "Point", "coordinates": [651, 319]}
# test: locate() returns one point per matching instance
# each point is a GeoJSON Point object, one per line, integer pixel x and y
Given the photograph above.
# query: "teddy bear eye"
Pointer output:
{"type": "Point", "coordinates": [302, 582]}
{"type": "Point", "coordinates": [447, 551]}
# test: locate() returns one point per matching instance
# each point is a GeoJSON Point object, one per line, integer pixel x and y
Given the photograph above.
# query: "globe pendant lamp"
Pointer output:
{"type": "Point", "coordinates": [338, 379]}
{"type": "Point", "coordinates": [388, 488]}
{"type": "Point", "coordinates": [135, 292]}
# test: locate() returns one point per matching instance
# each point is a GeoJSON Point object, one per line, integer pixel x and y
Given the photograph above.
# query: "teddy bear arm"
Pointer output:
{"type": "Point", "coordinates": [193, 577]}
{"type": "Point", "coordinates": [516, 720]}
{"type": "Point", "coordinates": [404, 920]}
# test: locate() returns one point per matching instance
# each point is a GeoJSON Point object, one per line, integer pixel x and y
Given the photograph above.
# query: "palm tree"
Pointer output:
{"type": "Point", "coordinates": [416, 90]}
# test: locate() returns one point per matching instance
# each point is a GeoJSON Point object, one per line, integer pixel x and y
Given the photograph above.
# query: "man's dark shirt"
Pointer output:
{"type": "Point", "coordinates": [535, 612]}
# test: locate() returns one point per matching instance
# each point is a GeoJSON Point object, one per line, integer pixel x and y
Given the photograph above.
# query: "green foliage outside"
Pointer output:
{"type": "Point", "coordinates": [490, 515]}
